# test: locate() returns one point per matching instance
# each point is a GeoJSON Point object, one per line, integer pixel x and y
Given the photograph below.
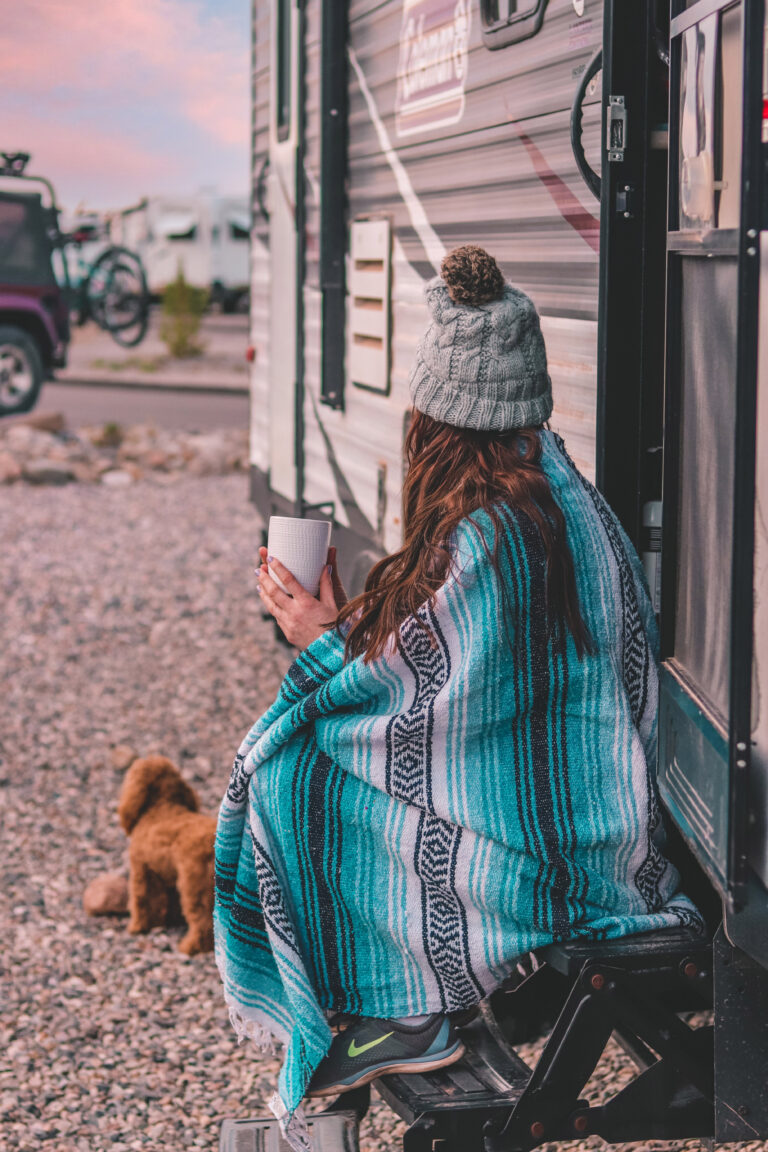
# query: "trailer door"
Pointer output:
{"type": "Point", "coordinates": [713, 244]}
{"type": "Point", "coordinates": [284, 231]}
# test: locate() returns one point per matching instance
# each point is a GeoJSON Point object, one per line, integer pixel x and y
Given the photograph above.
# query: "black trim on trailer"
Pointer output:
{"type": "Point", "coordinates": [742, 579]}
{"type": "Point", "coordinates": [626, 303]}
{"type": "Point", "coordinates": [301, 251]}
{"type": "Point", "coordinates": [672, 424]}
{"type": "Point", "coordinates": [260, 191]}
{"type": "Point", "coordinates": [334, 102]}
{"type": "Point", "coordinates": [283, 79]}
{"type": "Point", "coordinates": [672, 407]}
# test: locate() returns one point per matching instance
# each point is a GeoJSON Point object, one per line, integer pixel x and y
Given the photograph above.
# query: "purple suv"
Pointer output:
{"type": "Point", "coordinates": [34, 313]}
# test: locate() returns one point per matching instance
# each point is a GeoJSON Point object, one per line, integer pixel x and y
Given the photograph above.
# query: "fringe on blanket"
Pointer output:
{"type": "Point", "coordinates": [253, 1031]}
{"type": "Point", "coordinates": [293, 1125]}
{"type": "Point", "coordinates": [246, 1029]}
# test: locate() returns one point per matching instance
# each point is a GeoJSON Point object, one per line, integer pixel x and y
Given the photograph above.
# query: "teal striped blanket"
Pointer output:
{"type": "Point", "coordinates": [395, 835]}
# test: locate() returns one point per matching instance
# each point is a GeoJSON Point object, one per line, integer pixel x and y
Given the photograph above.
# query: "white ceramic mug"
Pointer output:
{"type": "Point", "coordinates": [302, 546]}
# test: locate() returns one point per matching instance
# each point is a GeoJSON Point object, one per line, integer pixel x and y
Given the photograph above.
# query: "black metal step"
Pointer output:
{"type": "Point", "coordinates": [640, 953]}
{"type": "Point", "coordinates": [489, 1076]}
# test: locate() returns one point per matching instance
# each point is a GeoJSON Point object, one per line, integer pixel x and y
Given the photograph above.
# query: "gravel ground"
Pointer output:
{"type": "Point", "coordinates": [129, 617]}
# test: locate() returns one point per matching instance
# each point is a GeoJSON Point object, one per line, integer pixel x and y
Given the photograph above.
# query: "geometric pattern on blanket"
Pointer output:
{"type": "Point", "coordinates": [396, 834]}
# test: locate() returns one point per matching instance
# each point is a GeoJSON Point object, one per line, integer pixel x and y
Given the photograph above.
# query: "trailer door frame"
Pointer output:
{"type": "Point", "coordinates": [712, 334]}
{"type": "Point", "coordinates": [629, 414]}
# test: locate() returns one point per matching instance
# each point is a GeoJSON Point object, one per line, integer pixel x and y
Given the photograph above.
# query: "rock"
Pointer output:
{"type": "Point", "coordinates": [44, 421]}
{"type": "Point", "coordinates": [117, 478]}
{"type": "Point", "coordinates": [71, 451]}
{"type": "Point", "coordinates": [83, 472]}
{"type": "Point", "coordinates": [159, 633]}
{"type": "Point", "coordinates": [90, 432]}
{"type": "Point", "coordinates": [41, 471]}
{"type": "Point", "coordinates": [122, 756]}
{"type": "Point", "coordinates": [28, 442]}
{"type": "Point", "coordinates": [211, 453]}
{"type": "Point", "coordinates": [107, 895]}
{"type": "Point", "coordinates": [155, 459]}
{"type": "Point", "coordinates": [10, 469]}
{"type": "Point", "coordinates": [138, 440]}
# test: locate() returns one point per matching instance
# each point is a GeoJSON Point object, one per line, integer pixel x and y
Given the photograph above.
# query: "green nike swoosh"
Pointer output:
{"type": "Point", "coordinates": [355, 1051]}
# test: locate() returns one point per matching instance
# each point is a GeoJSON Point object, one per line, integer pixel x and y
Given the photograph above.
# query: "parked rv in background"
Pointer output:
{"type": "Point", "coordinates": [206, 236]}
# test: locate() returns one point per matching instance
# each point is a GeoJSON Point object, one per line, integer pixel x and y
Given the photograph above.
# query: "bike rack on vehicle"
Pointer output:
{"type": "Point", "coordinates": [114, 291]}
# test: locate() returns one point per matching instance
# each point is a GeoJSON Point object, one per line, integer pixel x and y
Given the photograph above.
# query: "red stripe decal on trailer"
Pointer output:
{"type": "Point", "coordinates": [572, 211]}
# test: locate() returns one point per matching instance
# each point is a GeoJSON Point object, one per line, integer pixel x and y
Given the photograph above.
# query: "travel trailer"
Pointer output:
{"type": "Point", "coordinates": [206, 236]}
{"type": "Point", "coordinates": [443, 139]}
{"type": "Point", "coordinates": [612, 157]}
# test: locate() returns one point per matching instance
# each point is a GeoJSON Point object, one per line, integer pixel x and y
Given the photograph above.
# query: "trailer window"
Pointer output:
{"type": "Point", "coordinates": [283, 68]}
{"type": "Point", "coordinates": [177, 226]}
{"type": "Point", "coordinates": [239, 230]}
{"type": "Point", "coordinates": [706, 453]}
{"type": "Point", "coordinates": [509, 21]}
{"type": "Point", "coordinates": [709, 161]}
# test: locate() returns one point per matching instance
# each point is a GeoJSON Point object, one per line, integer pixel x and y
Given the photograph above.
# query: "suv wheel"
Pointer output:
{"type": "Point", "coordinates": [21, 370]}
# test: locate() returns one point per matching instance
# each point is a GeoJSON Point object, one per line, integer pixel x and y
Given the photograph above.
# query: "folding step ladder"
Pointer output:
{"type": "Point", "coordinates": [492, 1101]}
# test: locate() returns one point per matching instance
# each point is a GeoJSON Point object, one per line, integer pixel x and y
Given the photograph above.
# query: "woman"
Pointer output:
{"type": "Point", "coordinates": [457, 769]}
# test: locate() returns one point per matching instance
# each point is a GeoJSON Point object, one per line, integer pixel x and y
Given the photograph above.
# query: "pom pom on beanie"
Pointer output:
{"type": "Point", "coordinates": [481, 363]}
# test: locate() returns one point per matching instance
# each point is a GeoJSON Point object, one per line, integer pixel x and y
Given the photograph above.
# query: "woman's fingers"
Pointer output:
{"type": "Point", "coordinates": [326, 594]}
{"type": "Point", "coordinates": [287, 579]}
{"type": "Point", "coordinates": [340, 596]}
{"type": "Point", "coordinates": [301, 617]}
{"type": "Point", "coordinates": [271, 593]}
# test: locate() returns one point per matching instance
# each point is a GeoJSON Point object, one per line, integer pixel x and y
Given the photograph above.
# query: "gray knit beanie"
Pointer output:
{"type": "Point", "coordinates": [482, 366]}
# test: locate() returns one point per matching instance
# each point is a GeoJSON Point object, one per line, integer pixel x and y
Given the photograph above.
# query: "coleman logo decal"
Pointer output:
{"type": "Point", "coordinates": [432, 68]}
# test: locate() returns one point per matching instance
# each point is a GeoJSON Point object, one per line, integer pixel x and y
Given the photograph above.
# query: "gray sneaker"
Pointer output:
{"type": "Point", "coordinates": [369, 1048]}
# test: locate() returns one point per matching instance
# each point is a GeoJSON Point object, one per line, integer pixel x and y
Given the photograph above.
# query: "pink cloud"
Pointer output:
{"type": "Point", "coordinates": [167, 59]}
{"type": "Point", "coordinates": [105, 164]}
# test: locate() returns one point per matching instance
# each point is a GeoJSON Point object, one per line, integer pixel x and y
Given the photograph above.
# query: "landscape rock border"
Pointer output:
{"type": "Point", "coordinates": [41, 449]}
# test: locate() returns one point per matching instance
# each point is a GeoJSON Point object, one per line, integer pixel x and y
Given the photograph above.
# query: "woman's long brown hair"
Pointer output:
{"type": "Point", "coordinates": [453, 472]}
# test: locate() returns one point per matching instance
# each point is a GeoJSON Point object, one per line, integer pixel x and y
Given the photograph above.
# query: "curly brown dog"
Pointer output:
{"type": "Point", "coordinates": [171, 848]}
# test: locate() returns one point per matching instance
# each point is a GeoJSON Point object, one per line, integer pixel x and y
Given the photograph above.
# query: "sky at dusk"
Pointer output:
{"type": "Point", "coordinates": [117, 99]}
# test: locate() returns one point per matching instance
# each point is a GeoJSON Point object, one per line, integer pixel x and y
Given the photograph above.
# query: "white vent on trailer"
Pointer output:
{"type": "Point", "coordinates": [370, 304]}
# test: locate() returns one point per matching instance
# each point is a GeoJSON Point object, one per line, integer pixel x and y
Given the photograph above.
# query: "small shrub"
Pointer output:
{"type": "Point", "coordinates": [109, 436]}
{"type": "Point", "coordinates": [183, 307]}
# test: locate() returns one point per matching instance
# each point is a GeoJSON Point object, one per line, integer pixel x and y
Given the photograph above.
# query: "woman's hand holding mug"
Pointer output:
{"type": "Point", "coordinates": [302, 617]}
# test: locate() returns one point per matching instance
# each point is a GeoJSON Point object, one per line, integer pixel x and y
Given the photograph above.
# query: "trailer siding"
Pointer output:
{"type": "Point", "coordinates": [502, 176]}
